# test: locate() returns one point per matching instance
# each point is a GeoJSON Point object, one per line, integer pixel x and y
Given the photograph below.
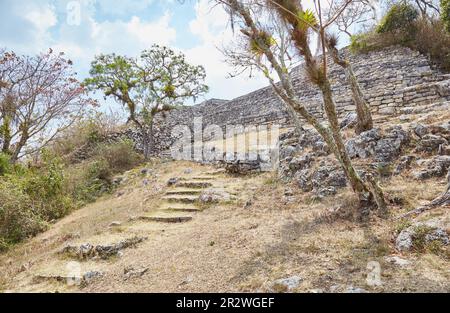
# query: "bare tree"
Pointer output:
{"type": "Point", "coordinates": [245, 57]}
{"type": "Point", "coordinates": [299, 23]}
{"type": "Point", "coordinates": [39, 97]}
{"type": "Point", "coordinates": [357, 15]}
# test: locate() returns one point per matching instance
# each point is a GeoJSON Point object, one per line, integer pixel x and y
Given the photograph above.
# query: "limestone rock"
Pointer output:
{"type": "Point", "coordinates": [214, 196]}
{"type": "Point", "coordinates": [301, 162]}
{"type": "Point", "coordinates": [397, 261]}
{"type": "Point", "coordinates": [433, 232]}
{"type": "Point", "coordinates": [303, 180]}
{"type": "Point", "coordinates": [434, 167]}
{"type": "Point", "coordinates": [350, 120]}
{"type": "Point", "coordinates": [404, 163]}
{"type": "Point", "coordinates": [88, 251]}
{"type": "Point", "coordinates": [286, 284]}
{"type": "Point", "coordinates": [430, 143]}
{"type": "Point", "coordinates": [363, 145]}
{"type": "Point", "coordinates": [372, 144]}
{"type": "Point", "coordinates": [172, 181]}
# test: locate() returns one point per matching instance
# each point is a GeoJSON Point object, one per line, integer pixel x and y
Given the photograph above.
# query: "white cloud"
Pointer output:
{"type": "Point", "coordinates": [211, 26]}
{"type": "Point", "coordinates": [149, 33]}
{"type": "Point", "coordinates": [121, 7]}
{"type": "Point", "coordinates": [42, 17]}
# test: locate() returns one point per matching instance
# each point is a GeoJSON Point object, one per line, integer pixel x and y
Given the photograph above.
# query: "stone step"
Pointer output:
{"type": "Point", "coordinates": [199, 178]}
{"type": "Point", "coordinates": [215, 172]}
{"type": "Point", "coordinates": [194, 184]}
{"type": "Point", "coordinates": [162, 218]}
{"type": "Point", "coordinates": [181, 198]}
{"type": "Point", "coordinates": [183, 192]}
{"type": "Point", "coordinates": [103, 251]}
{"type": "Point", "coordinates": [70, 279]}
{"type": "Point", "coordinates": [182, 209]}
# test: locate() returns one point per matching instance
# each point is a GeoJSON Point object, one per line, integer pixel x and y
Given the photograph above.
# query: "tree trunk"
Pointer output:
{"type": "Point", "coordinates": [363, 113]}
{"type": "Point", "coordinates": [23, 140]}
{"type": "Point", "coordinates": [362, 108]}
{"type": "Point", "coordinates": [6, 136]}
{"type": "Point", "coordinates": [364, 195]}
{"type": "Point", "coordinates": [147, 139]}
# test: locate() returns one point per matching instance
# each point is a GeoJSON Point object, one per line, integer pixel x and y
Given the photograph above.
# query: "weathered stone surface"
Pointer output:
{"type": "Point", "coordinates": [88, 251]}
{"type": "Point", "coordinates": [242, 167]}
{"type": "Point", "coordinates": [300, 162]}
{"type": "Point", "coordinates": [397, 261]}
{"type": "Point", "coordinates": [303, 180]}
{"type": "Point", "coordinates": [372, 143]}
{"type": "Point", "coordinates": [172, 181]}
{"type": "Point", "coordinates": [363, 146]}
{"type": "Point", "coordinates": [214, 196]}
{"type": "Point", "coordinates": [430, 143]}
{"type": "Point", "coordinates": [286, 284]}
{"type": "Point", "coordinates": [350, 120]}
{"type": "Point", "coordinates": [434, 167]}
{"type": "Point", "coordinates": [404, 163]}
{"type": "Point", "coordinates": [433, 232]}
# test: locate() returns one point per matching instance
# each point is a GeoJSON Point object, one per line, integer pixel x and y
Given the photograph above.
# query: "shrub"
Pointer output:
{"type": "Point", "coordinates": [89, 179]}
{"type": "Point", "coordinates": [5, 165]}
{"type": "Point", "coordinates": [399, 18]}
{"type": "Point", "coordinates": [89, 130]}
{"type": "Point", "coordinates": [428, 37]}
{"type": "Point", "coordinates": [431, 39]}
{"type": "Point", "coordinates": [32, 197]}
{"type": "Point", "coordinates": [19, 215]}
{"type": "Point", "coordinates": [445, 14]}
{"type": "Point", "coordinates": [120, 156]}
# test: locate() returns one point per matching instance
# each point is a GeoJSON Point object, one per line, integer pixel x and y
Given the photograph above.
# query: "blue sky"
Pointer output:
{"type": "Point", "coordinates": [125, 27]}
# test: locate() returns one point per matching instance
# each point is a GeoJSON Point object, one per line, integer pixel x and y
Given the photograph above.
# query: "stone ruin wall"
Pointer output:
{"type": "Point", "coordinates": [395, 81]}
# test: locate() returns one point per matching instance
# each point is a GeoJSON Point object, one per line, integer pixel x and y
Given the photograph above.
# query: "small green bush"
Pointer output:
{"type": "Point", "coordinates": [426, 35]}
{"type": "Point", "coordinates": [120, 156]}
{"type": "Point", "coordinates": [399, 18]}
{"type": "Point", "coordinates": [5, 165]}
{"type": "Point", "coordinates": [445, 14]}
{"type": "Point", "coordinates": [20, 216]}
{"type": "Point", "coordinates": [88, 180]}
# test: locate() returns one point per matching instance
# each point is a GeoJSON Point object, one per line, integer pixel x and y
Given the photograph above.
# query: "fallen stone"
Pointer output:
{"type": "Point", "coordinates": [397, 261]}
{"type": "Point", "coordinates": [214, 196]}
{"type": "Point", "coordinates": [405, 240]}
{"type": "Point", "coordinates": [88, 251]}
{"type": "Point", "coordinates": [404, 164]}
{"type": "Point", "coordinates": [420, 130]}
{"type": "Point", "coordinates": [131, 272]}
{"type": "Point", "coordinates": [286, 284]}
{"type": "Point", "coordinates": [430, 143]}
{"type": "Point", "coordinates": [352, 289]}
{"type": "Point", "coordinates": [434, 167]}
{"type": "Point", "coordinates": [303, 180]}
{"type": "Point", "coordinates": [172, 181]}
{"type": "Point", "coordinates": [301, 162]}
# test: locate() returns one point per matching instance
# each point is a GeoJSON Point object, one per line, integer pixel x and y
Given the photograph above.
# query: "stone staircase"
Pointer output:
{"type": "Point", "coordinates": [180, 203]}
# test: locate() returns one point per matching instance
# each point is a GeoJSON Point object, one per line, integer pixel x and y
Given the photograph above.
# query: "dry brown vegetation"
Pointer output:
{"type": "Point", "coordinates": [240, 245]}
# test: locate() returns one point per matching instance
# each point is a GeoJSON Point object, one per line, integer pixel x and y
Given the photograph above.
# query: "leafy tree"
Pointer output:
{"type": "Point", "coordinates": [399, 18]}
{"type": "Point", "coordinates": [301, 24]}
{"type": "Point", "coordinates": [157, 81]}
{"type": "Point", "coordinates": [39, 97]}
